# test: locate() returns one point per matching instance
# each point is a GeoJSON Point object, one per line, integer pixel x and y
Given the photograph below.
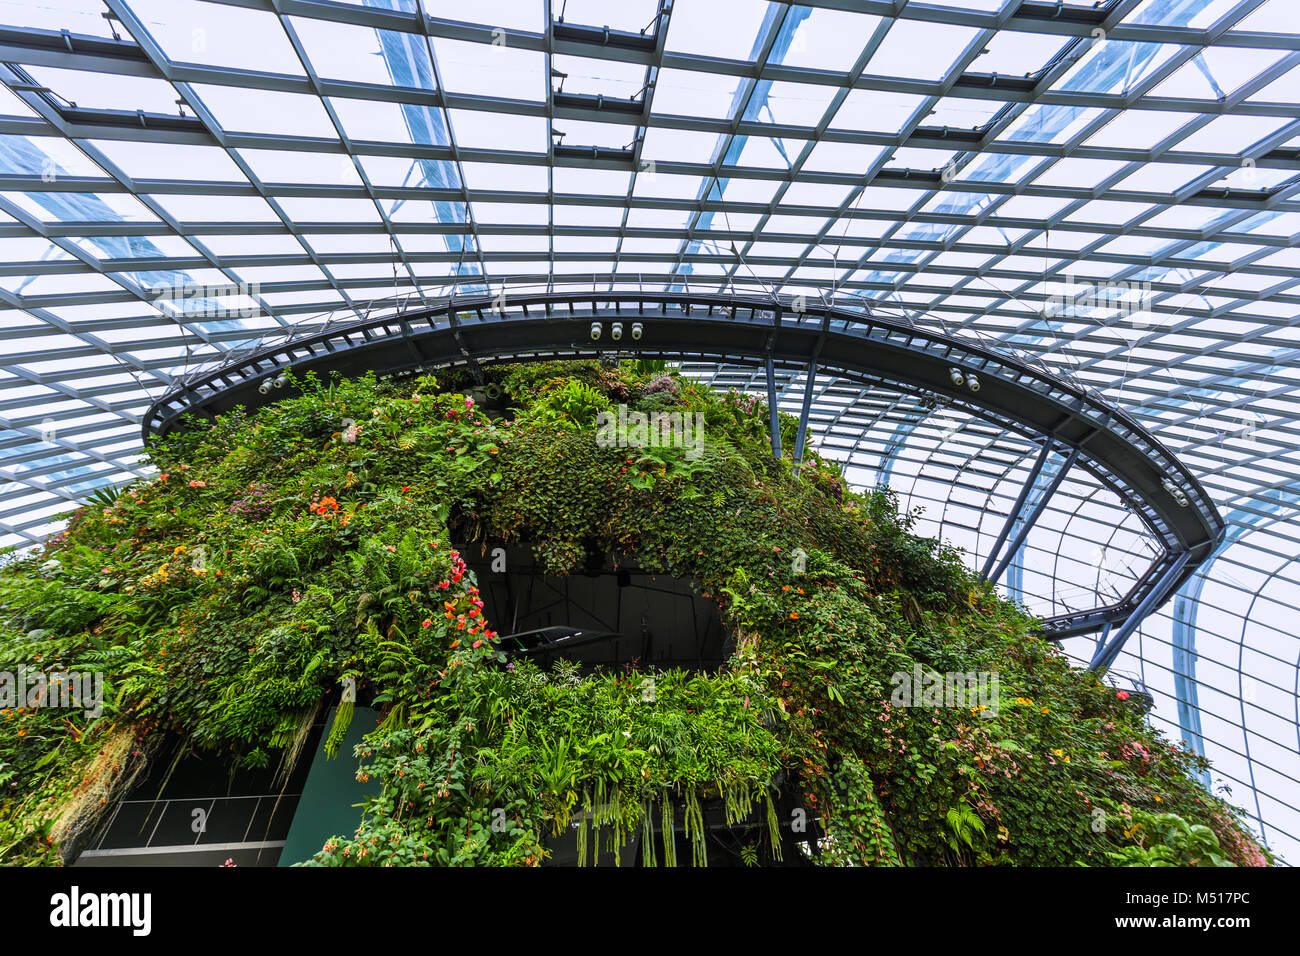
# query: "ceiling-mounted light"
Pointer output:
{"type": "Point", "coordinates": [956, 376]}
{"type": "Point", "coordinates": [1179, 495]}
{"type": "Point", "coordinates": [637, 330]}
{"type": "Point", "coordinates": [265, 387]}
{"type": "Point", "coordinates": [595, 331]}
{"type": "Point", "coordinates": [281, 381]}
{"type": "Point", "coordinates": [616, 331]}
{"type": "Point", "coordinates": [972, 382]}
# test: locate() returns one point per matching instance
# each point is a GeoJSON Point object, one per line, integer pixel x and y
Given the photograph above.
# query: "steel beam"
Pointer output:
{"type": "Point", "coordinates": [773, 411]}
{"type": "Point", "coordinates": [801, 435]}
{"type": "Point", "coordinates": [1106, 653]}
{"type": "Point", "coordinates": [1033, 517]}
{"type": "Point", "coordinates": [1016, 508]}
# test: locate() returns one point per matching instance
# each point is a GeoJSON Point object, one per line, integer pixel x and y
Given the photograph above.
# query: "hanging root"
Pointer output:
{"type": "Point", "coordinates": [105, 778]}
{"type": "Point", "coordinates": [648, 834]}
{"type": "Point", "coordinates": [773, 825]}
{"type": "Point", "coordinates": [669, 837]}
{"type": "Point", "coordinates": [695, 829]}
{"type": "Point", "coordinates": [294, 742]}
{"type": "Point", "coordinates": [339, 729]}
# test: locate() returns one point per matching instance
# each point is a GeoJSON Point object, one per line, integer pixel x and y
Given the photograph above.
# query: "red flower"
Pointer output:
{"type": "Point", "coordinates": [426, 623]}
{"type": "Point", "coordinates": [1122, 695]}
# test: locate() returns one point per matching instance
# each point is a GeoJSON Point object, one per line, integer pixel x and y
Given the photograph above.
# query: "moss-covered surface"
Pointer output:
{"type": "Point", "coordinates": [280, 555]}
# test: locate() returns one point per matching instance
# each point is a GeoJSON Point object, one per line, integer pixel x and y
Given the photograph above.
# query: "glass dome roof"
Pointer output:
{"type": "Point", "coordinates": [1109, 188]}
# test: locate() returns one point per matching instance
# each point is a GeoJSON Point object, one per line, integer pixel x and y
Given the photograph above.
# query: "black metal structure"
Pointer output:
{"type": "Point", "coordinates": [1014, 392]}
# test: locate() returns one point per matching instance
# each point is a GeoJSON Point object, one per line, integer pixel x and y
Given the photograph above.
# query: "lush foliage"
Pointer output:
{"type": "Point", "coordinates": [280, 555]}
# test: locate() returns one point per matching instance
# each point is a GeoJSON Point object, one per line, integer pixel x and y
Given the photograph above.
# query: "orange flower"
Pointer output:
{"type": "Point", "coordinates": [794, 615]}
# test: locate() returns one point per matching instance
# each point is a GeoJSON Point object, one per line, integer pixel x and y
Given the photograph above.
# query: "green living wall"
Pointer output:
{"type": "Point", "coordinates": [282, 555]}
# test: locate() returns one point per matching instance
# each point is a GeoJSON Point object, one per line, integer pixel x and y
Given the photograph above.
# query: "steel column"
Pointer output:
{"type": "Point", "coordinates": [1014, 513]}
{"type": "Point", "coordinates": [1033, 517]}
{"type": "Point", "coordinates": [802, 434]}
{"type": "Point", "coordinates": [1106, 654]}
{"type": "Point", "coordinates": [774, 415]}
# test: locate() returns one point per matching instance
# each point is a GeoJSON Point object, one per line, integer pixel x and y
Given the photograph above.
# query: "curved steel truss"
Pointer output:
{"type": "Point", "coordinates": [1017, 393]}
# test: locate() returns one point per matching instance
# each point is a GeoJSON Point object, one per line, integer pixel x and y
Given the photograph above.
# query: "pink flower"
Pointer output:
{"type": "Point", "coordinates": [469, 403]}
{"type": "Point", "coordinates": [426, 623]}
{"type": "Point", "coordinates": [1122, 695]}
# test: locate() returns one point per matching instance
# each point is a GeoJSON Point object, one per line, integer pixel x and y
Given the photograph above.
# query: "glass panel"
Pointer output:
{"type": "Point", "coordinates": [190, 31]}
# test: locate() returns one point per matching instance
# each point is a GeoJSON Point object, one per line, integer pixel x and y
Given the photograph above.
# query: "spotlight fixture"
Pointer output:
{"type": "Point", "coordinates": [637, 330]}
{"type": "Point", "coordinates": [1179, 495]}
{"type": "Point", "coordinates": [616, 331]}
{"type": "Point", "coordinates": [595, 331]}
{"type": "Point", "coordinates": [972, 382]}
{"type": "Point", "coordinates": [280, 381]}
{"type": "Point", "coordinates": [265, 387]}
{"type": "Point", "coordinates": [956, 376]}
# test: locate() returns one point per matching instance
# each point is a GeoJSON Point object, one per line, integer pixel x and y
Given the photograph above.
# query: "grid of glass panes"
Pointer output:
{"type": "Point", "coordinates": [1110, 188]}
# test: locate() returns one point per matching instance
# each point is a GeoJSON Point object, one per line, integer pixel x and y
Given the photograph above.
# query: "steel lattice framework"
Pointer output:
{"type": "Point", "coordinates": [1110, 189]}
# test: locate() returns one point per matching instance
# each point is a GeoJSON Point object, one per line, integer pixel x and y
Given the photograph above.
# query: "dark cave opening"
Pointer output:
{"type": "Point", "coordinates": [604, 616]}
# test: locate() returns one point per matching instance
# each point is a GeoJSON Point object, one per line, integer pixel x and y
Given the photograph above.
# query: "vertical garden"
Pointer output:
{"type": "Point", "coordinates": [322, 543]}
